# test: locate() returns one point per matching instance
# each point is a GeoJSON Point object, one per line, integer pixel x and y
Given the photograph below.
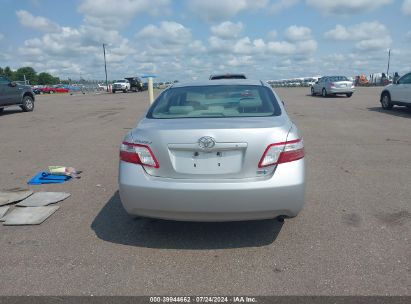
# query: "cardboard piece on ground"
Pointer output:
{"type": "Point", "coordinates": [8, 197]}
{"type": "Point", "coordinates": [43, 199]}
{"type": "Point", "coordinates": [29, 215]}
{"type": "Point", "coordinates": [3, 211]}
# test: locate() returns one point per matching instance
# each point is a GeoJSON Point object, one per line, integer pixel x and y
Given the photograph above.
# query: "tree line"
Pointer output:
{"type": "Point", "coordinates": [31, 76]}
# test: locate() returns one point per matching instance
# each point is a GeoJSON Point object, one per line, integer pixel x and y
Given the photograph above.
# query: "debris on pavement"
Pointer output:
{"type": "Point", "coordinates": [9, 197]}
{"type": "Point", "coordinates": [43, 177]}
{"type": "Point", "coordinates": [43, 199]}
{"type": "Point", "coordinates": [29, 215]}
{"type": "Point", "coordinates": [62, 170]}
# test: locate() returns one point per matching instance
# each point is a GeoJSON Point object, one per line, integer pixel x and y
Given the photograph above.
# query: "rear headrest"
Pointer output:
{"type": "Point", "coordinates": [180, 109]}
{"type": "Point", "coordinates": [250, 103]}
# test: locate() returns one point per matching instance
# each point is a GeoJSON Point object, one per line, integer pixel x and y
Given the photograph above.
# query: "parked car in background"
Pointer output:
{"type": "Point", "coordinates": [136, 84]}
{"type": "Point", "coordinates": [51, 89]}
{"type": "Point", "coordinates": [398, 93]}
{"type": "Point", "coordinates": [220, 150]}
{"type": "Point", "coordinates": [12, 93]}
{"type": "Point", "coordinates": [333, 85]}
{"type": "Point", "coordinates": [121, 85]}
{"type": "Point", "coordinates": [227, 76]}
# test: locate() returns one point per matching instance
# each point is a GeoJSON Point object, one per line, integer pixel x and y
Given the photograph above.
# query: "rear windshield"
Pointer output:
{"type": "Point", "coordinates": [338, 78]}
{"type": "Point", "coordinates": [215, 101]}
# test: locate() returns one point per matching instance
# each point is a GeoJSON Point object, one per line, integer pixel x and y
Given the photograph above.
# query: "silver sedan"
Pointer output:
{"type": "Point", "coordinates": [221, 150]}
{"type": "Point", "coordinates": [333, 85]}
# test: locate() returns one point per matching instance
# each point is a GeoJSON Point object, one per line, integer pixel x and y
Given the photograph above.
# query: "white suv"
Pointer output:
{"type": "Point", "coordinates": [121, 85]}
{"type": "Point", "coordinates": [398, 93]}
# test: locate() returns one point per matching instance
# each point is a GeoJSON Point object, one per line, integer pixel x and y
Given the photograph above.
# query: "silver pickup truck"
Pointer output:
{"type": "Point", "coordinates": [12, 94]}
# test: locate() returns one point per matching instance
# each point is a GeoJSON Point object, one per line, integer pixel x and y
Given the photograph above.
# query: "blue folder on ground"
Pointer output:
{"type": "Point", "coordinates": [47, 178]}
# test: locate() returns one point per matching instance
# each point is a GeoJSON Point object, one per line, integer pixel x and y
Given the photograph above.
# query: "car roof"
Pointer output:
{"type": "Point", "coordinates": [219, 82]}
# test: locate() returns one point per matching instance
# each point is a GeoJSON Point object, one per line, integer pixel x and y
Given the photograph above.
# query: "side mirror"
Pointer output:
{"type": "Point", "coordinates": [13, 84]}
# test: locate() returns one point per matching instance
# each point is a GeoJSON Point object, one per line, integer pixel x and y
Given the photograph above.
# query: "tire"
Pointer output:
{"type": "Point", "coordinates": [125, 91]}
{"type": "Point", "coordinates": [324, 93]}
{"type": "Point", "coordinates": [312, 91]}
{"type": "Point", "coordinates": [349, 95]}
{"type": "Point", "coordinates": [51, 92]}
{"type": "Point", "coordinates": [1, 110]}
{"type": "Point", "coordinates": [386, 103]}
{"type": "Point", "coordinates": [27, 104]}
{"type": "Point", "coordinates": [114, 91]}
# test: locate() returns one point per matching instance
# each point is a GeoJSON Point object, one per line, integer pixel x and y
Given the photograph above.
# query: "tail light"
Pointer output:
{"type": "Point", "coordinates": [283, 152]}
{"type": "Point", "coordinates": [138, 154]}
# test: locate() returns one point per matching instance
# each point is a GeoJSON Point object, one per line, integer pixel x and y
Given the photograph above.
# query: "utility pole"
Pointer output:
{"type": "Point", "coordinates": [105, 65]}
{"type": "Point", "coordinates": [389, 57]}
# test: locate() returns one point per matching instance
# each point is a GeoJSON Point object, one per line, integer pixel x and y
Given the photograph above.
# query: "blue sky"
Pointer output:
{"type": "Point", "coordinates": [191, 39]}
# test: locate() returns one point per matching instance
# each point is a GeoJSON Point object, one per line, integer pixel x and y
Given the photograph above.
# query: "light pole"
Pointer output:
{"type": "Point", "coordinates": [389, 57]}
{"type": "Point", "coordinates": [105, 65]}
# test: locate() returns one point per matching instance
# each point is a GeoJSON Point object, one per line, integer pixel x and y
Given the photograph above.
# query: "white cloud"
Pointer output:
{"type": "Point", "coordinates": [369, 35]}
{"type": "Point", "coordinates": [297, 33]}
{"type": "Point", "coordinates": [115, 14]}
{"type": "Point", "coordinates": [36, 22]}
{"type": "Point", "coordinates": [346, 7]}
{"type": "Point", "coordinates": [1, 36]}
{"type": "Point", "coordinates": [281, 48]}
{"type": "Point", "coordinates": [406, 7]}
{"type": "Point", "coordinates": [281, 5]}
{"type": "Point", "coordinates": [408, 35]}
{"type": "Point", "coordinates": [227, 29]}
{"type": "Point", "coordinates": [168, 32]}
{"type": "Point", "coordinates": [240, 61]}
{"type": "Point", "coordinates": [218, 10]}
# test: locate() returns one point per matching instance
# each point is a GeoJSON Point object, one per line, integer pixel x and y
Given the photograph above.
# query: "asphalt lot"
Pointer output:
{"type": "Point", "coordinates": [352, 237]}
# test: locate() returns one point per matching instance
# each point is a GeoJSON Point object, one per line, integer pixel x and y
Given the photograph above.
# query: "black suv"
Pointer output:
{"type": "Point", "coordinates": [136, 84]}
{"type": "Point", "coordinates": [12, 93]}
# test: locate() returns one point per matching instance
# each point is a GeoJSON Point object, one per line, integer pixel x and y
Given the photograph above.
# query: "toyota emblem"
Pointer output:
{"type": "Point", "coordinates": [206, 142]}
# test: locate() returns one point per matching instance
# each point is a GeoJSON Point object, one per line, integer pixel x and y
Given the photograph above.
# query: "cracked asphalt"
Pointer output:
{"type": "Point", "coordinates": [352, 237]}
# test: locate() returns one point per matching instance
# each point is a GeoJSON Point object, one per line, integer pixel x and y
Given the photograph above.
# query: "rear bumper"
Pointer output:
{"type": "Point", "coordinates": [340, 90]}
{"type": "Point", "coordinates": [206, 200]}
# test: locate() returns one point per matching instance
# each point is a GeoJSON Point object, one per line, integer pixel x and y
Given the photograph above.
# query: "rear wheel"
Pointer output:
{"type": "Point", "coordinates": [349, 95]}
{"type": "Point", "coordinates": [324, 93]}
{"type": "Point", "coordinates": [51, 92]}
{"type": "Point", "coordinates": [28, 104]}
{"type": "Point", "coordinates": [114, 91]}
{"type": "Point", "coordinates": [386, 101]}
{"type": "Point", "coordinates": [1, 110]}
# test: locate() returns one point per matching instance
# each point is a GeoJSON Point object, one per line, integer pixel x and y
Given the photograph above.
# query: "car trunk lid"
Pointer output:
{"type": "Point", "coordinates": [209, 148]}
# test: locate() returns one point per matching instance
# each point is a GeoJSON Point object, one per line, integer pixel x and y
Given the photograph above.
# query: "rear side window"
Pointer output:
{"type": "Point", "coordinates": [338, 78]}
{"type": "Point", "coordinates": [215, 101]}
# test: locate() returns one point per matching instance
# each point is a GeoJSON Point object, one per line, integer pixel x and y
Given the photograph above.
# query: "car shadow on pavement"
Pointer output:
{"type": "Point", "coordinates": [396, 111]}
{"type": "Point", "coordinates": [113, 224]}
